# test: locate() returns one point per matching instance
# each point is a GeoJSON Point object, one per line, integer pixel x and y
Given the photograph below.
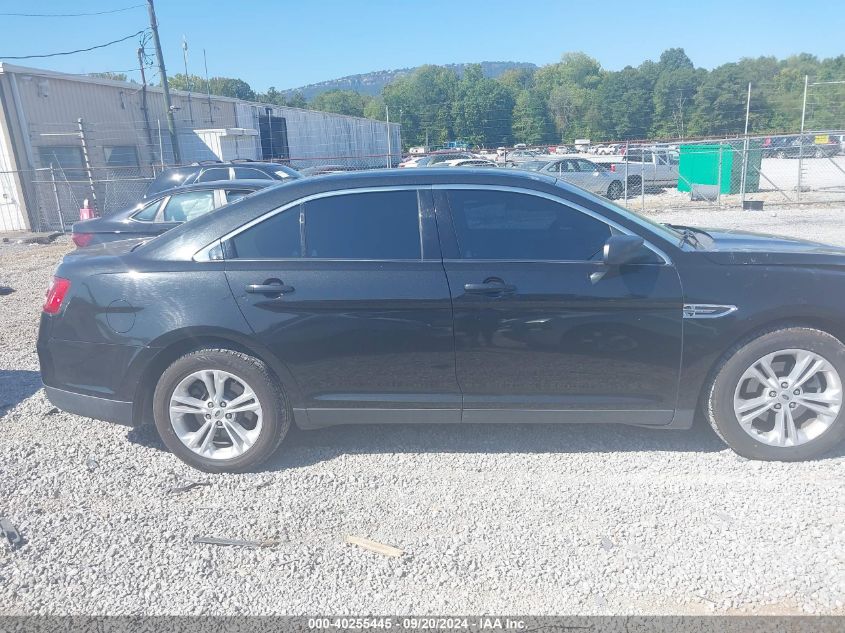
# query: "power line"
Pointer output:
{"type": "Point", "coordinates": [68, 15]}
{"type": "Point", "coordinates": [80, 50]}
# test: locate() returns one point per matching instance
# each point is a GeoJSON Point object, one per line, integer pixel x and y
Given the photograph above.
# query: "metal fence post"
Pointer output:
{"type": "Point", "coordinates": [56, 197]}
{"type": "Point", "coordinates": [642, 180]}
{"type": "Point", "coordinates": [626, 173]}
{"type": "Point", "coordinates": [719, 178]}
{"type": "Point", "coordinates": [801, 139]}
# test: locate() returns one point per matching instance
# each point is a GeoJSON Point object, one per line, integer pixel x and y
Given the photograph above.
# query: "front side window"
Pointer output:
{"type": "Point", "coordinates": [373, 225]}
{"type": "Point", "coordinates": [516, 226]}
{"type": "Point", "coordinates": [183, 207]}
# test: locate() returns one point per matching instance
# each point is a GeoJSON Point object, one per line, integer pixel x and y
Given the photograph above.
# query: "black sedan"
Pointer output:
{"type": "Point", "coordinates": [447, 296]}
{"type": "Point", "coordinates": [164, 211]}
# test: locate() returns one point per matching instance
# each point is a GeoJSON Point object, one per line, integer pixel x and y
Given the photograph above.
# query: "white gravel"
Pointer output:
{"type": "Point", "coordinates": [523, 519]}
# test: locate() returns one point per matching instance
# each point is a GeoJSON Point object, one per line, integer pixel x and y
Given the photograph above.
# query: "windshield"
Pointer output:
{"type": "Point", "coordinates": [167, 179]}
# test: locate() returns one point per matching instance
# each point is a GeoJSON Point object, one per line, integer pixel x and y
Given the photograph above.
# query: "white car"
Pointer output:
{"type": "Point", "coordinates": [581, 173]}
{"type": "Point", "coordinates": [467, 162]}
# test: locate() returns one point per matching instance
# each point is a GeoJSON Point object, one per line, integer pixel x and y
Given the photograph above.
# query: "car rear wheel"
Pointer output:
{"type": "Point", "coordinates": [220, 411]}
{"type": "Point", "coordinates": [614, 191]}
{"type": "Point", "coordinates": [779, 396]}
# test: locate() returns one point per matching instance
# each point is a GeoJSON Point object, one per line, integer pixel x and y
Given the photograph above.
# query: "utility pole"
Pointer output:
{"type": "Point", "coordinates": [187, 77]}
{"type": "Point", "coordinates": [171, 124]}
{"type": "Point", "coordinates": [387, 118]}
{"type": "Point", "coordinates": [144, 103]}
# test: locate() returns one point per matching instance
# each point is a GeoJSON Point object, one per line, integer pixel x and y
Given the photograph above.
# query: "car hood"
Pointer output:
{"type": "Point", "coordinates": [743, 247]}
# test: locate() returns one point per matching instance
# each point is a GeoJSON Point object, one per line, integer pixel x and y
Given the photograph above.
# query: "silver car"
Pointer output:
{"type": "Point", "coordinates": [581, 173]}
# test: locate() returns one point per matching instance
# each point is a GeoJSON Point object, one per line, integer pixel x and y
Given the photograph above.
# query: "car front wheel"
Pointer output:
{"type": "Point", "coordinates": [779, 396]}
{"type": "Point", "coordinates": [220, 410]}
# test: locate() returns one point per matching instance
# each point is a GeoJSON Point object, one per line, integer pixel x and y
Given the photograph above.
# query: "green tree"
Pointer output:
{"type": "Point", "coordinates": [222, 86]}
{"type": "Point", "coordinates": [425, 100]}
{"type": "Point", "coordinates": [340, 102]}
{"type": "Point", "coordinates": [570, 87]}
{"type": "Point", "coordinates": [531, 122]}
{"type": "Point", "coordinates": [296, 100]}
{"type": "Point", "coordinates": [482, 110]}
{"type": "Point", "coordinates": [109, 75]}
{"type": "Point", "coordinates": [271, 96]}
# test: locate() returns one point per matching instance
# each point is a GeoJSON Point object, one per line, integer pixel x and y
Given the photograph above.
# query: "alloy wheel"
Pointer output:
{"type": "Point", "coordinates": [216, 414]}
{"type": "Point", "coordinates": [788, 398]}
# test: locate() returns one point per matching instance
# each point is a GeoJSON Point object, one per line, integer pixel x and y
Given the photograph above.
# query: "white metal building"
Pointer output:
{"type": "Point", "coordinates": [66, 137]}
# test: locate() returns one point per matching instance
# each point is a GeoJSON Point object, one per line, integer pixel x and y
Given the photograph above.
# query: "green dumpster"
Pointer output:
{"type": "Point", "coordinates": [699, 164]}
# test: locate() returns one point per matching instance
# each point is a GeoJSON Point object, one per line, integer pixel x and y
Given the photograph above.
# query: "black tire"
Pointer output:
{"type": "Point", "coordinates": [634, 183]}
{"type": "Point", "coordinates": [276, 416]}
{"type": "Point", "coordinates": [719, 395]}
{"type": "Point", "coordinates": [615, 190]}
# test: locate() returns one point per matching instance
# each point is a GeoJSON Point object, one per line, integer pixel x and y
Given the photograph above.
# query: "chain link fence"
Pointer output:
{"type": "Point", "coordinates": [745, 172]}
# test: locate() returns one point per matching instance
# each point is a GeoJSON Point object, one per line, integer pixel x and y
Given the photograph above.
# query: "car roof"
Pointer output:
{"type": "Point", "coordinates": [184, 241]}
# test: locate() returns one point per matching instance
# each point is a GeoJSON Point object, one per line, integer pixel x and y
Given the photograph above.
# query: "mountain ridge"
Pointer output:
{"type": "Point", "coordinates": [372, 83]}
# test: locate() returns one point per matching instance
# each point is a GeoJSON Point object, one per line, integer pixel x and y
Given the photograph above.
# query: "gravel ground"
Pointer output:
{"type": "Point", "coordinates": [523, 519]}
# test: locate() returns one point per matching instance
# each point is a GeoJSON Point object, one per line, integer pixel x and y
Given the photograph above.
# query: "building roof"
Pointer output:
{"type": "Point", "coordinates": [6, 68]}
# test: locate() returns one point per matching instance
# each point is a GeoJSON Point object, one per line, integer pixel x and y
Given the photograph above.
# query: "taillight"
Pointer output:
{"type": "Point", "coordinates": [82, 239]}
{"type": "Point", "coordinates": [56, 295]}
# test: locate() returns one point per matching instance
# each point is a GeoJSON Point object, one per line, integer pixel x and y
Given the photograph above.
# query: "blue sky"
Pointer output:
{"type": "Point", "coordinates": [287, 43]}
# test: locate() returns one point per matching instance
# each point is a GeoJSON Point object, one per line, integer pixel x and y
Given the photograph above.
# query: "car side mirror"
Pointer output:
{"type": "Point", "coordinates": [622, 249]}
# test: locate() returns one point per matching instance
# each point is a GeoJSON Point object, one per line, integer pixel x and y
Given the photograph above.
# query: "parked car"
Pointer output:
{"type": "Point", "coordinates": [439, 157]}
{"type": "Point", "coordinates": [447, 296]}
{"type": "Point", "coordinates": [163, 211]}
{"type": "Point", "coordinates": [322, 170]}
{"type": "Point", "coordinates": [791, 146]}
{"type": "Point", "coordinates": [211, 171]}
{"type": "Point", "coordinates": [467, 162]}
{"type": "Point", "coordinates": [520, 156]}
{"type": "Point", "coordinates": [656, 167]}
{"type": "Point", "coordinates": [583, 173]}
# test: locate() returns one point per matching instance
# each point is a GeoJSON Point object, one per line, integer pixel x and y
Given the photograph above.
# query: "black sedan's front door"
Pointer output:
{"type": "Point", "coordinates": [543, 331]}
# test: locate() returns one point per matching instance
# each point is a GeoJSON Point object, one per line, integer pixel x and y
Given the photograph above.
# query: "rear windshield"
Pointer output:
{"type": "Point", "coordinates": [167, 179]}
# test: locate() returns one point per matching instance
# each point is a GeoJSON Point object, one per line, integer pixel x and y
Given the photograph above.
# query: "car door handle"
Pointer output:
{"type": "Point", "coordinates": [490, 288]}
{"type": "Point", "coordinates": [270, 288]}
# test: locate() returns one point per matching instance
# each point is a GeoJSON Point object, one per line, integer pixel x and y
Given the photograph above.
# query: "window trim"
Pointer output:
{"type": "Point", "coordinates": [667, 261]}
{"type": "Point", "coordinates": [203, 254]}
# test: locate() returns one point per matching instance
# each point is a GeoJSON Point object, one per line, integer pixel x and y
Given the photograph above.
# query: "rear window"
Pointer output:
{"type": "Point", "coordinates": [168, 179]}
{"type": "Point", "coordinates": [250, 173]}
{"type": "Point", "coordinates": [214, 174]}
{"type": "Point", "coordinates": [378, 225]}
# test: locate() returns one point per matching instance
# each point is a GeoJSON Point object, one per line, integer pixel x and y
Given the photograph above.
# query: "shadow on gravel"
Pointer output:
{"type": "Point", "coordinates": [17, 385]}
{"type": "Point", "coordinates": [307, 448]}
{"type": "Point", "coordinates": [304, 448]}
